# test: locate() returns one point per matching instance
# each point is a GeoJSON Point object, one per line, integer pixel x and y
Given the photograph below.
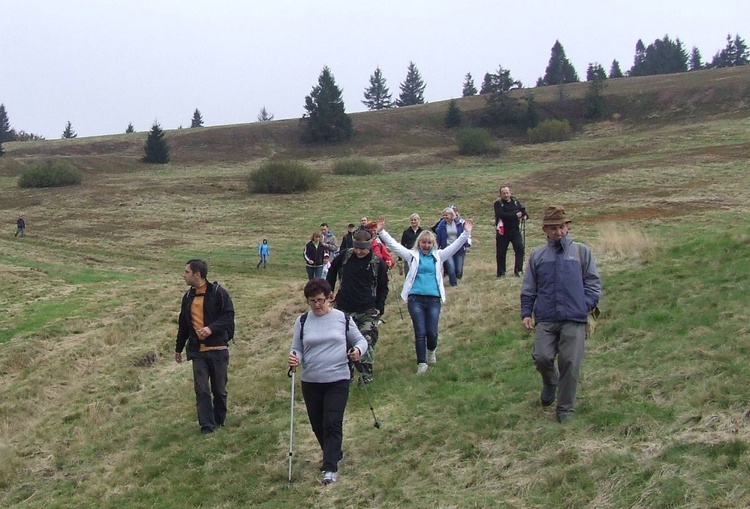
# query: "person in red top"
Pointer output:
{"type": "Point", "coordinates": [378, 247]}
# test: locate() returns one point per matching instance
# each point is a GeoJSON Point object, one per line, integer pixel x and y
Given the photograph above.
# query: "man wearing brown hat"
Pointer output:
{"type": "Point", "coordinates": [560, 287]}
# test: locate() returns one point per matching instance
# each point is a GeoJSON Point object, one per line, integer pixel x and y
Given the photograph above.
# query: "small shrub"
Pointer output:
{"type": "Point", "coordinates": [283, 177]}
{"type": "Point", "coordinates": [356, 166]}
{"type": "Point", "coordinates": [549, 130]}
{"type": "Point", "coordinates": [473, 141]}
{"type": "Point", "coordinates": [50, 174]}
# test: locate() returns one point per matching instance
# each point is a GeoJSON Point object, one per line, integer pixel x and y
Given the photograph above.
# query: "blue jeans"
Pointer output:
{"type": "Point", "coordinates": [458, 262]}
{"type": "Point", "coordinates": [314, 272]}
{"type": "Point", "coordinates": [425, 313]}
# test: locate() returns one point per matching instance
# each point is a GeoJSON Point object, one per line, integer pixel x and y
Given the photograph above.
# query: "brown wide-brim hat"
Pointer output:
{"type": "Point", "coordinates": [555, 215]}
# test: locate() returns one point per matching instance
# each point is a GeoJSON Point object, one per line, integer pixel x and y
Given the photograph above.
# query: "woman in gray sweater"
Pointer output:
{"type": "Point", "coordinates": [323, 343]}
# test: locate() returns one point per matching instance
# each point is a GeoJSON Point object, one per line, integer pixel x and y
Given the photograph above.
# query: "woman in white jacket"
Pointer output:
{"type": "Point", "coordinates": [423, 288]}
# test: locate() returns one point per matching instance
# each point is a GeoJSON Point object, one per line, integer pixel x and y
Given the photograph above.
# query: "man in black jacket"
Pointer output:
{"type": "Point", "coordinates": [206, 324]}
{"type": "Point", "coordinates": [508, 215]}
{"type": "Point", "coordinates": [363, 290]}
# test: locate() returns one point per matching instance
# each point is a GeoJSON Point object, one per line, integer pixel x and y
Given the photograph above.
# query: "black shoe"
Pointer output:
{"type": "Point", "coordinates": [502, 274]}
{"type": "Point", "coordinates": [564, 416]}
{"type": "Point", "coordinates": [207, 431]}
{"type": "Point", "coordinates": [518, 273]}
{"type": "Point", "coordinates": [548, 394]}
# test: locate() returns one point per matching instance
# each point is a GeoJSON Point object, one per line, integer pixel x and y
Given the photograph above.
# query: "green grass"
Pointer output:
{"type": "Point", "coordinates": [94, 288]}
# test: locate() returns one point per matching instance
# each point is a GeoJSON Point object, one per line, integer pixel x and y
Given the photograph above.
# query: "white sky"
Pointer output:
{"type": "Point", "coordinates": [101, 64]}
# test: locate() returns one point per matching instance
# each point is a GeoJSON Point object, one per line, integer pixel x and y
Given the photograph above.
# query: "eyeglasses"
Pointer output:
{"type": "Point", "coordinates": [316, 302]}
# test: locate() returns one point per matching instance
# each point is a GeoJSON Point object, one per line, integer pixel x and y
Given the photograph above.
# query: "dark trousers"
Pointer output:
{"type": "Point", "coordinates": [210, 374]}
{"type": "Point", "coordinates": [325, 404]}
{"type": "Point", "coordinates": [501, 249]}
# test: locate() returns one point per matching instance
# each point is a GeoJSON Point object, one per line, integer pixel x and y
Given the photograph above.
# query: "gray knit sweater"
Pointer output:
{"type": "Point", "coordinates": [324, 346]}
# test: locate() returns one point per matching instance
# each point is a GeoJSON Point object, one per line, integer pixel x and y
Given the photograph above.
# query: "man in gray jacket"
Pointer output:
{"type": "Point", "coordinates": [560, 287]}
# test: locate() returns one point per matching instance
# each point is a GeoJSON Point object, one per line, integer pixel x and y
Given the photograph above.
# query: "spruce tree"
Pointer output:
{"type": "Point", "coordinates": [69, 132]}
{"type": "Point", "coordinates": [6, 134]}
{"type": "Point", "coordinates": [614, 70]}
{"type": "Point", "coordinates": [264, 115]}
{"type": "Point", "coordinates": [2, 150]}
{"type": "Point", "coordinates": [452, 115]}
{"type": "Point", "coordinates": [156, 148]}
{"type": "Point", "coordinates": [735, 53]}
{"type": "Point", "coordinates": [595, 71]}
{"type": "Point", "coordinates": [486, 84]}
{"type": "Point", "coordinates": [326, 119]}
{"type": "Point", "coordinates": [594, 102]}
{"type": "Point", "coordinates": [559, 69]}
{"type": "Point", "coordinates": [469, 88]}
{"type": "Point", "coordinates": [377, 95]}
{"type": "Point", "coordinates": [663, 56]}
{"type": "Point", "coordinates": [412, 89]}
{"type": "Point", "coordinates": [197, 119]}
{"type": "Point", "coordinates": [695, 63]}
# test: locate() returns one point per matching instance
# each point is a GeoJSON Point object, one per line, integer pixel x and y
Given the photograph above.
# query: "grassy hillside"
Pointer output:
{"type": "Point", "coordinates": [95, 413]}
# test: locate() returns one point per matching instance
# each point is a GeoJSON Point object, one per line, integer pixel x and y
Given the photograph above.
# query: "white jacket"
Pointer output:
{"type": "Point", "coordinates": [409, 255]}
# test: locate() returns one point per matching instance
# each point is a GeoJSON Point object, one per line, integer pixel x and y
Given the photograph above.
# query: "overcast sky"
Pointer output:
{"type": "Point", "coordinates": [101, 64]}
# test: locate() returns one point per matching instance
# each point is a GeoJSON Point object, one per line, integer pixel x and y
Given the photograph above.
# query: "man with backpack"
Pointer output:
{"type": "Point", "coordinates": [362, 293]}
{"type": "Point", "coordinates": [560, 288]}
{"type": "Point", "coordinates": [206, 325]}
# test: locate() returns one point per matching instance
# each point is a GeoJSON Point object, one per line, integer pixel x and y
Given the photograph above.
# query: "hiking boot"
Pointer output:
{"type": "Point", "coordinates": [330, 477]}
{"type": "Point", "coordinates": [422, 368]}
{"type": "Point", "coordinates": [548, 394]}
{"type": "Point", "coordinates": [431, 359]}
{"type": "Point", "coordinates": [518, 273]}
{"type": "Point", "coordinates": [564, 416]}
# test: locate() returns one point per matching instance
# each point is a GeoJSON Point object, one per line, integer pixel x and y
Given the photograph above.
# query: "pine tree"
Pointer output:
{"type": "Point", "coordinates": [614, 70]}
{"type": "Point", "coordinates": [559, 69]}
{"type": "Point", "coordinates": [326, 119]}
{"type": "Point", "coordinates": [501, 108]}
{"type": "Point", "coordinates": [486, 84]}
{"type": "Point", "coordinates": [156, 148]}
{"type": "Point", "coordinates": [412, 89]}
{"type": "Point", "coordinates": [264, 115]}
{"type": "Point", "coordinates": [69, 132]}
{"type": "Point", "coordinates": [663, 56]}
{"type": "Point", "coordinates": [695, 63]}
{"type": "Point", "coordinates": [735, 53]}
{"type": "Point", "coordinates": [2, 150]}
{"type": "Point", "coordinates": [6, 133]}
{"type": "Point", "coordinates": [469, 88]}
{"type": "Point", "coordinates": [377, 95]}
{"type": "Point", "coordinates": [452, 115]}
{"type": "Point", "coordinates": [130, 128]}
{"type": "Point", "coordinates": [594, 102]}
{"type": "Point", "coordinates": [595, 71]}
{"type": "Point", "coordinates": [197, 119]}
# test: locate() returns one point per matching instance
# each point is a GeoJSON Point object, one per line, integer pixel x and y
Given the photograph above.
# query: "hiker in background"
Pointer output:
{"type": "Point", "coordinates": [447, 231]}
{"type": "Point", "coordinates": [377, 246]}
{"type": "Point", "coordinates": [423, 288]}
{"type": "Point", "coordinates": [409, 237]}
{"type": "Point", "coordinates": [363, 223]}
{"type": "Point", "coordinates": [363, 291]}
{"type": "Point", "coordinates": [313, 253]}
{"type": "Point", "coordinates": [348, 241]}
{"type": "Point", "coordinates": [263, 252]}
{"type": "Point", "coordinates": [508, 215]}
{"type": "Point", "coordinates": [20, 226]}
{"type": "Point", "coordinates": [560, 287]}
{"type": "Point", "coordinates": [206, 324]}
{"type": "Point", "coordinates": [329, 241]}
{"type": "Point", "coordinates": [326, 265]}
{"type": "Point", "coordinates": [323, 342]}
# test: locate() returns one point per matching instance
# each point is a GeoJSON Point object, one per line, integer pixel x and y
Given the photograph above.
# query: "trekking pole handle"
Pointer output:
{"type": "Point", "coordinates": [291, 369]}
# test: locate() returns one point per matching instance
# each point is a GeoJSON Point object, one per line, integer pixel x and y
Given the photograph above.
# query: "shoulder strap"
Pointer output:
{"type": "Point", "coordinates": [302, 320]}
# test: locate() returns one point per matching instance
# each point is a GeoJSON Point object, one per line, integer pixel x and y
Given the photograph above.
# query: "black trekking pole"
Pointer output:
{"type": "Point", "coordinates": [523, 224]}
{"type": "Point", "coordinates": [359, 367]}
{"type": "Point", "coordinates": [290, 374]}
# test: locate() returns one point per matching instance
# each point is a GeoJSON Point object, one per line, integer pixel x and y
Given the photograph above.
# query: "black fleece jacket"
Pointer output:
{"type": "Point", "coordinates": [218, 315]}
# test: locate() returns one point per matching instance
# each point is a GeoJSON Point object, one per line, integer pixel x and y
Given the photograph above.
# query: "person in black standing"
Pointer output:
{"type": "Point", "coordinates": [509, 212]}
{"type": "Point", "coordinates": [206, 324]}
